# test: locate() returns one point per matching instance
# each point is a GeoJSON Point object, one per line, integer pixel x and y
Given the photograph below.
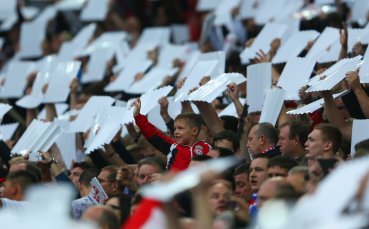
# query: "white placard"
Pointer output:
{"type": "Point", "coordinates": [15, 79]}
{"type": "Point", "coordinates": [152, 80]}
{"type": "Point", "coordinates": [31, 38]}
{"type": "Point", "coordinates": [249, 8]}
{"type": "Point", "coordinates": [59, 85]}
{"type": "Point", "coordinates": [326, 39]}
{"type": "Point", "coordinates": [70, 4]}
{"type": "Point", "coordinates": [294, 45]}
{"type": "Point", "coordinates": [96, 10]}
{"type": "Point", "coordinates": [7, 131]}
{"type": "Point", "coordinates": [218, 56]}
{"type": "Point", "coordinates": [4, 108]}
{"type": "Point", "coordinates": [223, 12]}
{"type": "Point", "coordinates": [331, 80]}
{"type": "Point", "coordinates": [168, 53]}
{"type": "Point", "coordinates": [190, 63]}
{"type": "Point", "coordinates": [60, 109]}
{"type": "Point", "coordinates": [86, 115]}
{"type": "Point", "coordinates": [259, 80]}
{"type": "Point", "coordinates": [207, 5]}
{"type": "Point", "coordinates": [311, 107]}
{"type": "Point", "coordinates": [360, 10]}
{"type": "Point", "coordinates": [364, 69]}
{"type": "Point", "coordinates": [262, 42]}
{"type": "Point", "coordinates": [127, 76]}
{"type": "Point", "coordinates": [156, 36]}
{"type": "Point", "coordinates": [359, 133]}
{"type": "Point", "coordinates": [295, 75]}
{"type": "Point", "coordinates": [97, 194]}
{"type": "Point", "coordinates": [180, 33]}
{"type": "Point", "coordinates": [108, 40]}
{"type": "Point", "coordinates": [213, 88]}
{"type": "Point", "coordinates": [8, 8]}
{"type": "Point", "coordinates": [97, 65]}
{"type": "Point", "coordinates": [272, 105]}
{"type": "Point", "coordinates": [67, 146]}
{"type": "Point", "coordinates": [266, 13]}
{"type": "Point", "coordinates": [165, 191]}
{"type": "Point", "coordinates": [230, 110]}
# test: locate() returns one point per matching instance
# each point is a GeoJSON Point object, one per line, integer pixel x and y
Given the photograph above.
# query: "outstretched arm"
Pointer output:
{"type": "Point", "coordinates": [352, 79]}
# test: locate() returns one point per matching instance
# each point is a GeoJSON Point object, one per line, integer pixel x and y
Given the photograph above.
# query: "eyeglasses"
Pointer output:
{"type": "Point", "coordinates": [102, 180]}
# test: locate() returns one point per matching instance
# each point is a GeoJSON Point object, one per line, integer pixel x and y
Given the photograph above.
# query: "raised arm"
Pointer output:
{"type": "Point", "coordinates": [343, 41]}
{"type": "Point", "coordinates": [352, 79]}
{"type": "Point", "coordinates": [210, 117]}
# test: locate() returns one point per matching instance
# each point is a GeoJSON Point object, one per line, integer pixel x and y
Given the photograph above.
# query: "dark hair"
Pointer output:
{"type": "Point", "coordinates": [269, 131]}
{"type": "Point", "coordinates": [283, 162]}
{"type": "Point", "coordinates": [23, 178]}
{"type": "Point", "coordinates": [86, 177]}
{"type": "Point", "coordinates": [192, 119]}
{"type": "Point", "coordinates": [228, 135]}
{"type": "Point", "coordinates": [153, 161]}
{"type": "Point", "coordinates": [330, 133]}
{"type": "Point", "coordinates": [109, 218]}
{"type": "Point", "coordinates": [242, 168]}
{"type": "Point", "coordinates": [201, 158]}
{"type": "Point", "coordinates": [113, 170]}
{"type": "Point", "coordinates": [124, 206]}
{"type": "Point", "coordinates": [230, 123]}
{"type": "Point", "coordinates": [83, 165]}
{"type": "Point", "coordinates": [34, 169]}
{"type": "Point", "coordinates": [362, 148]}
{"type": "Point", "coordinates": [223, 152]}
{"type": "Point", "coordinates": [299, 129]}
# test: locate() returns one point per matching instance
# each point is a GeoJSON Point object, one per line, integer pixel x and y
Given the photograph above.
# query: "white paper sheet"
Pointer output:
{"type": "Point", "coordinates": [266, 13]}
{"type": "Point", "coordinates": [207, 5]}
{"type": "Point", "coordinates": [311, 107]}
{"type": "Point", "coordinates": [155, 118]}
{"type": "Point", "coordinates": [272, 105]}
{"type": "Point", "coordinates": [294, 45]}
{"type": "Point", "coordinates": [223, 12]}
{"type": "Point", "coordinates": [152, 80]}
{"type": "Point", "coordinates": [97, 65]}
{"type": "Point", "coordinates": [360, 10]}
{"type": "Point", "coordinates": [332, 79]}
{"type": "Point", "coordinates": [180, 33]}
{"type": "Point", "coordinates": [259, 80]}
{"type": "Point", "coordinates": [168, 53]}
{"type": "Point", "coordinates": [31, 37]}
{"type": "Point", "coordinates": [364, 69]}
{"type": "Point", "coordinates": [230, 110]}
{"type": "Point", "coordinates": [4, 108]}
{"type": "Point", "coordinates": [295, 75]}
{"type": "Point", "coordinates": [201, 69]}
{"type": "Point", "coordinates": [86, 115]}
{"type": "Point", "coordinates": [7, 9]}
{"type": "Point", "coordinates": [66, 143]}
{"type": "Point", "coordinates": [7, 131]}
{"type": "Point", "coordinates": [70, 5]}
{"type": "Point", "coordinates": [218, 56]}
{"type": "Point", "coordinates": [127, 76]}
{"type": "Point", "coordinates": [60, 109]}
{"type": "Point", "coordinates": [15, 79]}
{"type": "Point", "coordinates": [108, 40]}
{"type": "Point", "coordinates": [190, 63]}
{"type": "Point", "coordinates": [249, 8]}
{"type": "Point", "coordinates": [262, 42]}
{"type": "Point", "coordinates": [59, 85]}
{"type": "Point", "coordinates": [326, 39]}
{"type": "Point", "coordinates": [165, 191]}
{"type": "Point", "coordinates": [97, 194]}
{"type": "Point", "coordinates": [213, 88]}
{"type": "Point", "coordinates": [359, 133]}
{"type": "Point", "coordinates": [155, 36]}
{"type": "Point", "coordinates": [95, 10]}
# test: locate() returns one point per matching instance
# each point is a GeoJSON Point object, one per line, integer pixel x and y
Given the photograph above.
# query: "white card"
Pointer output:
{"type": "Point", "coordinates": [97, 65]}
{"type": "Point", "coordinates": [8, 8]}
{"type": "Point", "coordinates": [207, 5]}
{"type": "Point", "coordinates": [97, 194]}
{"type": "Point", "coordinates": [4, 108]}
{"type": "Point", "coordinates": [86, 115]}
{"type": "Point", "coordinates": [60, 109]}
{"type": "Point", "coordinates": [311, 107]}
{"type": "Point", "coordinates": [157, 36]}
{"type": "Point", "coordinates": [364, 69]}
{"type": "Point", "coordinates": [180, 33]}
{"type": "Point", "coordinates": [230, 110]}
{"type": "Point", "coordinates": [189, 178]}
{"type": "Point", "coordinates": [223, 12]}
{"type": "Point", "coordinates": [360, 10]}
{"type": "Point", "coordinates": [168, 53]}
{"type": "Point", "coordinates": [7, 131]}
{"type": "Point", "coordinates": [15, 79]}
{"type": "Point", "coordinates": [70, 5]}
{"type": "Point", "coordinates": [331, 80]}
{"type": "Point", "coordinates": [326, 39]}
{"type": "Point", "coordinates": [218, 56]}
{"type": "Point", "coordinates": [95, 10]}
{"type": "Point", "coordinates": [272, 105]}
{"type": "Point", "coordinates": [295, 75]}
{"type": "Point", "coordinates": [294, 45]}
{"type": "Point", "coordinates": [31, 38]}
{"type": "Point", "coordinates": [359, 133]}
{"type": "Point", "coordinates": [215, 87]}
{"type": "Point", "coordinates": [67, 145]}
{"type": "Point", "coordinates": [262, 42]}
{"type": "Point", "coordinates": [152, 80]}
{"type": "Point", "coordinates": [266, 13]}
{"type": "Point", "coordinates": [108, 40]}
{"type": "Point", "coordinates": [190, 63]}
{"type": "Point", "coordinates": [127, 76]}
{"type": "Point", "coordinates": [249, 8]}
{"type": "Point", "coordinates": [259, 80]}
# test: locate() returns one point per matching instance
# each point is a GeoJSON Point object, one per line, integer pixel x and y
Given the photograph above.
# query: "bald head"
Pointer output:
{"type": "Point", "coordinates": [103, 216]}
{"type": "Point", "coordinates": [273, 188]}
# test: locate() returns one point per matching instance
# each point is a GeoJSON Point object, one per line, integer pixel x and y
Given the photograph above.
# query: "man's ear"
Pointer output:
{"type": "Point", "coordinates": [328, 145]}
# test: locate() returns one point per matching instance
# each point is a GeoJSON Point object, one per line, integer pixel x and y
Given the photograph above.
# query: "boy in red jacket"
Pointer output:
{"type": "Point", "coordinates": [185, 145]}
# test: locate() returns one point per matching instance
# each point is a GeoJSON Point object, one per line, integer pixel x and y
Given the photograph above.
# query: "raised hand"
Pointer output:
{"type": "Point", "coordinates": [136, 107]}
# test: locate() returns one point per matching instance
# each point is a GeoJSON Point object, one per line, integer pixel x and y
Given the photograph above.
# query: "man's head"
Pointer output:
{"type": "Point", "coordinates": [324, 141]}
{"type": "Point", "coordinates": [292, 138]}
{"type": "Point", "coordinates": [279, 166]}
{"type": "Point", "coordinates": [24, 165]}
{"type": "Point", "coordinates": [241, 180]}
{"type": "Point", "coordinates": [17, 183]}
{"type": "Point", "coordinates": [198, 159]}
{"type": "Point", "coordinates": [147, 167]}
{"type": "Point", "coordinates": [258, 171]}
{"type": "Point", "coordinates": [261, 137]}
{"type": "Point", "coordinates": [108, 181]}
{"type": "Point", "coordinates": [274, 188]}
{"type": "Point", "coordinates": [219, 195]}
{"type": "Point", "coordinates": [216, 152]}
{"type": "Point", "coordinates": [103, 216]}
{"type": "Point", "coordinates": [297, 177]}
{"type": "Point", "coordinates": [187, 127]}
{"type": "Point", "coordinates": [227, 139]}
{"type": "Point", "coordinates": [84, 182]}
{"type": "Point", "coordinates": [76, 170]}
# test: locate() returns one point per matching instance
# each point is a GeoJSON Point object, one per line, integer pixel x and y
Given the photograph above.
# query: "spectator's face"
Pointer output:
{"type": "Point", "coordinates": [219, 196]}
{"type": "Point", "coordinates": [314, 146]}
{"type": "Point", "coordinates": [224, 143]}
{"type": "Point", "coordinates": [297, 180]}
{"type": "Point", "coordinates": [277, 171]}
{"type": "Point", "coordinates": [258, 173]}
{"type": "Point", "coordinates": [286, 144]}
{"type": "Point", "coordinates": [75, 173]}
{"type": "Point", "coordinates": [144, 174]}
{"type": "Point", "coordinates": [108, 185]}
{"type": "Point", "coordinates": [243, 187]}
{"type": "Point", "coordinates": [252, 140]}
{"type": "Point", "coordinates": [183, 133]}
